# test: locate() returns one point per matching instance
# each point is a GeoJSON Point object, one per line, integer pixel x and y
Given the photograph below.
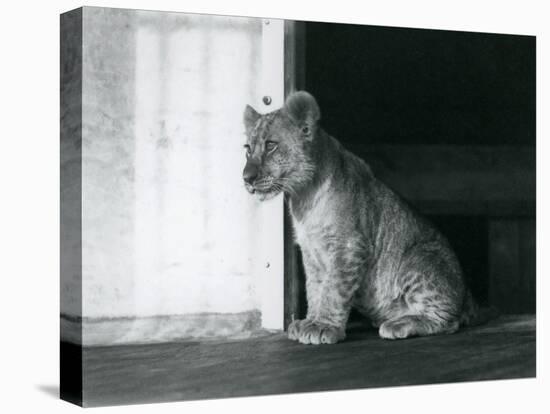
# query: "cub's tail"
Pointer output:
{"type": "Point", "coordinates": [473, 314]}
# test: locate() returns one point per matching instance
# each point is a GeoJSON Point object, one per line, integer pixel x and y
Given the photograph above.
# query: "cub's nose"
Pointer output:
{"type": "Point", "coordinates": [250, 173]}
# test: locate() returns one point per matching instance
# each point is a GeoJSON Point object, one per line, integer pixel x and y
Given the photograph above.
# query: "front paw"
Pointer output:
{"type": "Point", "coordinates": [310, 332]}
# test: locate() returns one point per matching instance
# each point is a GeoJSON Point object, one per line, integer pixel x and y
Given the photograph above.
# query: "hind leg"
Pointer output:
{"type": "Point", "coordinates": [416, 325]}
{"type": "Point", "coordinates": [429, 297]}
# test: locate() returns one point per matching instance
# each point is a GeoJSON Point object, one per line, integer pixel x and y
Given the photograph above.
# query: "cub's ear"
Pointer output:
{"type": "Point", "coordinates": [250, 118]}
{"type": "Point", "coordinates": [302, 108]}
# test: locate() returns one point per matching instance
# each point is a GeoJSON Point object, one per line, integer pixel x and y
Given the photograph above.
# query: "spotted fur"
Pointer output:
{"type": "Point", "coordinates": [362, 246]}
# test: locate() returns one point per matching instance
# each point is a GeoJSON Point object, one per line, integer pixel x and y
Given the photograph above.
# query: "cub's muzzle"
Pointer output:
{"type": "Point", "coordinates": [250, 172]}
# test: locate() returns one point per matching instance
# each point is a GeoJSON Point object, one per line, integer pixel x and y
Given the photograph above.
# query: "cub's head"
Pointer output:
{"type": "Point", "coordinates": [279, 146]}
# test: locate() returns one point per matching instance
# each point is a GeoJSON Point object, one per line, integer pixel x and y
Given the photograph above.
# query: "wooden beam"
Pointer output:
{"type": "Point", "coordinates": [528, 265]}
{"type": "Point", "coordinates": [294, 56]}
{"type": "Point", "coordinates": [512, 269]}
{"type": "Point", "coordinates": [481, 180]}
{"type": "Point", "coordinates": [294, 302]}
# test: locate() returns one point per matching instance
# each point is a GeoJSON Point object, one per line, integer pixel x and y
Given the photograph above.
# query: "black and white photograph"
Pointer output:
{"type": "Point", "coordinates": [262, 206]}
{"type": "Point", "coordinates": [283, 209]}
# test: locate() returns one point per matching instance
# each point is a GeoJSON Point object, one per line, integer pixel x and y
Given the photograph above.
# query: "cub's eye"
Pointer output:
{"type": "Point", "coordinates": [270, 146]}
{"type": "Point", "coordinates": [247, 149]}
{"type": "Point", "coordinates": [305, 130]}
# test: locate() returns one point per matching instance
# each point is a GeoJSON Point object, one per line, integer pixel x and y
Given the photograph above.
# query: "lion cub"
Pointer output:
{"type": "Point", "coordinates": [362, 246]}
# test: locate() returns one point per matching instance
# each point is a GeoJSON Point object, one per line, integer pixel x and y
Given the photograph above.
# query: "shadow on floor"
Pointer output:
{"type": "Point", "coordinates": [49, 389]}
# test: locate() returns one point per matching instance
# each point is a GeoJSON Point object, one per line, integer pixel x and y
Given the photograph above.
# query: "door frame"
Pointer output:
{"type": "Point", "coordinates": [294, 79]}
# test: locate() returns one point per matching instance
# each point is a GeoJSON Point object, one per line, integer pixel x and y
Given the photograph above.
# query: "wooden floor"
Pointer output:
{"type": "Point", "coordinates": [504, 348]}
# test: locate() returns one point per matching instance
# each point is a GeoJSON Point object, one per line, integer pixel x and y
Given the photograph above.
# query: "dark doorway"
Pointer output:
{"type": "Point", "coordinates": [446, 119]}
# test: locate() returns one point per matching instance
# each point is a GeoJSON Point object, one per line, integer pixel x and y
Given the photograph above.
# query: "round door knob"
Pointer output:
{"type": "Point", "coordinates": [267, 100]}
